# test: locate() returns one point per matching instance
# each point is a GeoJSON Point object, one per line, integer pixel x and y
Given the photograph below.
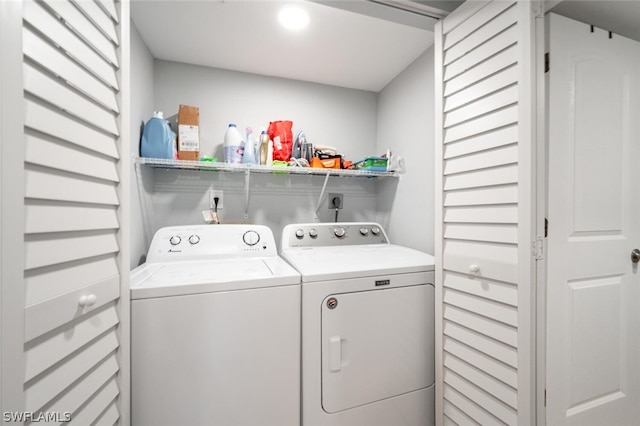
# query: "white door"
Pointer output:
{"type": "Point", "coordinates": [593, 293]}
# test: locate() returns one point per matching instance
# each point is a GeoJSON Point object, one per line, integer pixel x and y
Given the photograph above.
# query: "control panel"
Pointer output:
{"type": "Point", "coordinates": [332, 234]}
{"type": "Point", "coordinates": [201, 242]}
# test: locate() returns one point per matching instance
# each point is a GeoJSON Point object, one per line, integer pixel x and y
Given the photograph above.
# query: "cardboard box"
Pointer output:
{"type": "Point", "coordinates": [188, 132]}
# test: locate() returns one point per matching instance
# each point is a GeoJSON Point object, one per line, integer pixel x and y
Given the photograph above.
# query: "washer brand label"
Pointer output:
{"type": "Point", "coordinates": [382, 282]}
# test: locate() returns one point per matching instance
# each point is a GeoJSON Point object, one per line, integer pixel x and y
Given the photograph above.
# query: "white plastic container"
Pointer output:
{"type": "Point", "coordinates": [233, 145]}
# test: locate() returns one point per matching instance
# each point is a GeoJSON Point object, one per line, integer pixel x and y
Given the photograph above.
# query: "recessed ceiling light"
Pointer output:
{"type": "Point", "coordinates": [293, 18]}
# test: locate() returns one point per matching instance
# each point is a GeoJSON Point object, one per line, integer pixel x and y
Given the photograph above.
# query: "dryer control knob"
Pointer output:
{"type": "Point", "coordinates": [313, 233]}
{"type": "Point", "coordinates": [175, 240]}
{"type": "Point", "coordinates": [339, 232]}
{"type": "Point", "coordinates": [299, 233]}
{"type": "Point", "coordinates": [194, 239]}
{"type": "Point", "coordinates": [364, 231]}
{"type": "Point", "coordinates": [375, 230]}
{"type": "Point", "coordinates": [251, 238]}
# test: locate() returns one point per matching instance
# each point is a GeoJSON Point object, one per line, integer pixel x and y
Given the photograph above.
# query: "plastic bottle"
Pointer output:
{"type": "Point", "coordinates": [249, 155]}
{"type": "Point", "coordinates": [264, 146]}
{"type": "Point", "coordinates": [269, 160]}
{"type": "Point", "coordinates": [158, 140]}
{"type": "Point", "coordinates": [232, 147]}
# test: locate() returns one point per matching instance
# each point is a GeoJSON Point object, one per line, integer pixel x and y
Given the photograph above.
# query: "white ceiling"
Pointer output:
{"type": "Point", "coordinates": [622, 17]}
{"type": "Point", "coordinates": [340, 47]}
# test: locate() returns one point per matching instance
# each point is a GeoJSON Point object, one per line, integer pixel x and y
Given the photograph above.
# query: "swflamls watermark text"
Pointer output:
{"type": "Point", "coordinates": [42, 416]}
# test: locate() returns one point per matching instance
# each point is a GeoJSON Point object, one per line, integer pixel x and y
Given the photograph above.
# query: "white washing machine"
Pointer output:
{"type": "Point", "coordinates": [215, 330]}
{"type": "Point", "coordinates": [367, 326]}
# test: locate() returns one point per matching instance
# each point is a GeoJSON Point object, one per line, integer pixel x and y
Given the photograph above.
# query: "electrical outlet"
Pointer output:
{"type": "Point", "coordinates": [334, 201]}
{"type": "Point", "coordinates": [213, 194]}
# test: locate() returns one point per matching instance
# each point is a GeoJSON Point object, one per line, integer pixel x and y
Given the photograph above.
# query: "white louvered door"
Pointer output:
{"type": "Point", "coordinates": [484, 291]}
{"type": "Point", "coordinates": [74, 265]}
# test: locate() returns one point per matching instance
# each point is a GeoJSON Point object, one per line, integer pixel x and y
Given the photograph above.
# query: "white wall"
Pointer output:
{"type": "Point", "coordinates": [406, 126]}
{"type": "Point", "coordinates": [344, 118]}
{"type": "Point", "coordinates": [141, 105]}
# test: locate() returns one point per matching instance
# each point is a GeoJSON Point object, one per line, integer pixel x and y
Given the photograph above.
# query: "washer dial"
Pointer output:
{"type": "Point", "coordinates": [251, 238]}
{"type": "Point", "coordinates": [175, 240]}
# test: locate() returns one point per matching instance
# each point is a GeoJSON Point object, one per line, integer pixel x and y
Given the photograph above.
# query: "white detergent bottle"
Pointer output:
{"type": "Point", "coordinates": [232, 147]}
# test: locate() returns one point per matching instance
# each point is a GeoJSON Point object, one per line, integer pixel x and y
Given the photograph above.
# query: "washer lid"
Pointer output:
{"type": "Point", "coordinates": [182, 278]}
{"type": "Point", "coordinates": [332, 263]}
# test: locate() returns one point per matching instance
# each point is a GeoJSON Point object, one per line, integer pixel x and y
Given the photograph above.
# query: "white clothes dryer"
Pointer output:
{"type": "Point", "coordinates": [367, 326]}
{"type": "Point", "coordinates": [215, 330]}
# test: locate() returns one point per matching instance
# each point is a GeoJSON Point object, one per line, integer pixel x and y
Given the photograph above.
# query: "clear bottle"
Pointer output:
{"type": "Point", "coordinates": [264, 146]}
{"type": "Point", "coordinates": [233, 146]}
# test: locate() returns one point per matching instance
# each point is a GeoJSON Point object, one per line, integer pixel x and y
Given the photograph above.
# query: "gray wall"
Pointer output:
{"type": "Point", "coordinates": [406, 125]}
{"type": "Point", "coordinates": [359, 123]}
{"type": "Point", "coordinates": [141, 105]}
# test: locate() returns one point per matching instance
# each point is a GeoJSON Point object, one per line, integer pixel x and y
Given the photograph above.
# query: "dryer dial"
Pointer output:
{"type": "Point", "coordinates": [194, 239]}
{"type": "Point", "coordinates": [339, 232]}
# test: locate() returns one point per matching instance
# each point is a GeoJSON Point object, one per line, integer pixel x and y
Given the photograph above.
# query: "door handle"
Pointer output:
{"type": "Point", "coordinates": [635, 256]}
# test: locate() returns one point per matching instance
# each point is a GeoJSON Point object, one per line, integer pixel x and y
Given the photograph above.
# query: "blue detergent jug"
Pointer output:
{"type": "Point", "coordinates": [158, 140]}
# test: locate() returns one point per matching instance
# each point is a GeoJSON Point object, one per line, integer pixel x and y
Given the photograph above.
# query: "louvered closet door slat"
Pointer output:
{"type": "Point", "coordinates": [64, 127]}
{"type": "Point", "coordinates": [469, 26]}
{"type": "Point", "coordinates": [496, 233]}
{"type": "Point", "coordinates": [62, 186]}
{"type": "Point", "coordinates": [499, 390]}
{"type": "Point", "coordinates": [454, 416]}
{"type": "Point", "coordinates": [45, 216]}
{"type": "Point", "coordinates": [505, 353]}
{"type": "Point", "coordinates": [466, 409]}
{"type": "Point", "coordinates": [504, 413]}
{"type": "Point", "coordinates": [493, 139]}
{"type": "Point", "coordinates": [109, 6]}
{"type": "Point", "coordinates": [502, 175]}
{"type": "Point", "coordinates": [51, 249]}
{"type": "Point", "coordinates": [40, 18]}
{"type": "Point", "coordinates": [490, 269]}
{"type": "Point", "coordinates": [482, 214]}
{"type": "Point", "coordinates": [485, 87]}
{"type": "Point", "coordinates": [88, 385]}
{"type": "Point", "coordinates": [46, 55]}
{"type": "Point", "coordinates": [97, 405]}
{"type": "Point", "coordinates": [480, 286]}
{"type": "Point", "coordinates": [490, 103]}
{"type": "Point", "coordinates": [62, 96]}
{"type": "Point", "coordinates": [109, 417]}
{"type": "Point", "coordinates": [84, 28]}
{"type": "Point", "coordinates": [481, 53]}
{"type": "Point", "coordinates": [507, 194]}
{"type": "Point", "coordinates": [40, 392]}
{"type": "Point", "coordinates": [56, 280]}
{"type": "Point", "coordinates": [482, 124]}
{"type": "Point", "coordinates": [484, 362]}
{"type": "Point", "coordinates": [492, 310]}
{"type": "Point", "coordinates": [47, 353]}
{"type": "Point", "coordinates": [503, 21]}
{"type": "Point", "coordinates": [481, 324]}
{"type": "Point", "coordinates": [49, 152]}
{"type": "Point", "coordinates": [100, 18]}
{"type": "Point", "coordinates": [48, 315]}
{"type": "Point", "coordinates": [500, 61]}
{"type": "Point", "coordinates": [483, 160]}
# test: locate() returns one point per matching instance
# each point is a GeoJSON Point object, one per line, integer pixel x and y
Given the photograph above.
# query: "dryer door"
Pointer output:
{"type": "Point", "coordinates": [376, 344]}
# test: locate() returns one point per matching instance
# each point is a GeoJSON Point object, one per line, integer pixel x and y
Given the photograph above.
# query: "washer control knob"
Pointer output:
{"type": "Point", "coordinates": [175, 240]}
{"type": "Point", "coordinates": [299, 233]}
{"type": "Point", "coordinates": [364, 231]}
{"type": "Point", "coordinates": [194, 239]}
{"type": "Point", "coordinates": [375, 230]}
{"type": "Point", "coordinates": [251, 238]}
{"type": "Point", "coordinates": [313, 233]}
{"type": "Point", "coordinates": [339, 232]}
